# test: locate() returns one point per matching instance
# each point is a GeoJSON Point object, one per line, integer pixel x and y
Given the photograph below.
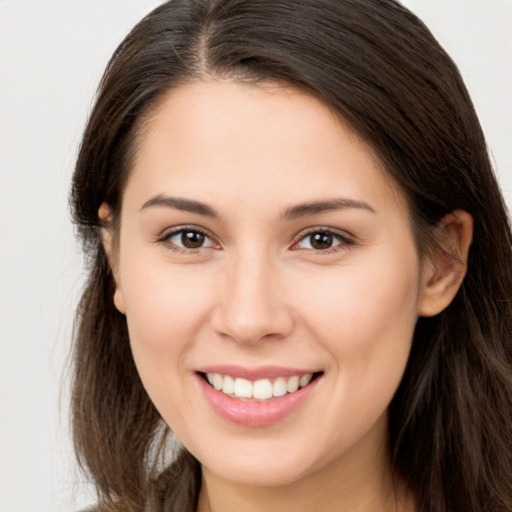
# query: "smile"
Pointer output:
{"type": "Point", "coordinates": [256, 398]}
{"type": "Point", "coordinates": [262, 389]}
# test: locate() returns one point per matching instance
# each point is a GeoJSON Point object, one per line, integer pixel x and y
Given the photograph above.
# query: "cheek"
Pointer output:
{"type": "Point", "coordinates": [165, 309]}
{"type": "Point", "coordinates": [365, 315]}
{"type": "Point", "coordinates": [162, 302]}
{"type": "Point", "coordinates": [364, 319]}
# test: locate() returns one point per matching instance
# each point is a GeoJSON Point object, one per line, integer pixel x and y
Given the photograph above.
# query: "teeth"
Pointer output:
{"type": "Point", "coordinates": [292, 385]}
{"type": "Point", "coordinates": [262, 389]}
{"type": "Point", "coordinates": [217, 381]}
{"type": "Point", "coordinates": [228, 386]}
{"type": "Point", "coordinates": [279, 387]}
{"type": "Point", "coordinates": [304, 380]}
{"type": "Point", "coordinates": [243, 388]}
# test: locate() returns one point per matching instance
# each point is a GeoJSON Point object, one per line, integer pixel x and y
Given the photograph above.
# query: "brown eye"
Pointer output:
{"type": "Point", "coordinates": [322, 240]}
{"type": "Point", "coordinates": [192, 239]}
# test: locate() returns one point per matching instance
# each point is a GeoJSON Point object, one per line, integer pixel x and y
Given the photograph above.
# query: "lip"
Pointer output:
{"type": "Point", "coordinates": [255, 414]}
{"type": "Point", "coordinates": [260, 372]}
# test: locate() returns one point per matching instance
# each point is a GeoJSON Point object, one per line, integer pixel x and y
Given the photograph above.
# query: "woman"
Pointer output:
{"type": "Point", "coordinates": [299, 264]}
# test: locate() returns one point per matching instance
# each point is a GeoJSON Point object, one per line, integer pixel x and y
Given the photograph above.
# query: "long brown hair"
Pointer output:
{"type": "Point", "coordinates": [378, 66]}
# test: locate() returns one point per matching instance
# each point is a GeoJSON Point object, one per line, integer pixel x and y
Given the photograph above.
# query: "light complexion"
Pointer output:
{"type": "Point", "coordinates": [263, 247]}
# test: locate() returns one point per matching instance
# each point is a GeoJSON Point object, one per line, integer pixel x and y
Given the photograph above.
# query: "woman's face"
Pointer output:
{"type": "Point", "coordinates": [262, 247]}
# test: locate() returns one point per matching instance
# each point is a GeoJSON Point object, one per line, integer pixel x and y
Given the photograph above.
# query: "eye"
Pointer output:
{"type": "Point", "coordinates": [188, 238]}
{"type": "Point", "coordinates": [322, 240]}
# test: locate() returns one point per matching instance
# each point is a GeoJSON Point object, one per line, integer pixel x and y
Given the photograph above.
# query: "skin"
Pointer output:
{"type": "Point", "coordinates": [257, 292]}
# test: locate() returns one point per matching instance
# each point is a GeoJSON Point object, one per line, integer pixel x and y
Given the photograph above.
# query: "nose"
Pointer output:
{"type": "Point", "coordinates": [251, 305]}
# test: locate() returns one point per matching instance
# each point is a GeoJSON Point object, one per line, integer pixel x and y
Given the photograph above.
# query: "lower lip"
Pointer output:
{"type": "Point", "coordinates": [255, 414]}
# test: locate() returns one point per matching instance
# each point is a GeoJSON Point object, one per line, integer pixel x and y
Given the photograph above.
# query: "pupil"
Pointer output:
{"type": "Point", "coordinates": [192, 239]}
{"type": "Point", "coordinates": [321, 241]}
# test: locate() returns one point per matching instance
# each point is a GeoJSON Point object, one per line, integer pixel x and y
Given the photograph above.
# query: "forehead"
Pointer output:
{"type": "Point", "coordinates": [267, 141]}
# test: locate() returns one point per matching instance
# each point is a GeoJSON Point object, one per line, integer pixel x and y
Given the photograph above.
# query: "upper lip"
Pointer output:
{"type": "Point", "coordinates": [256, 373]}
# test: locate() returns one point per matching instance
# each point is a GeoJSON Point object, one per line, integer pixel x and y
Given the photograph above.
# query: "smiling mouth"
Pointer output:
{"type": "Point", "coordinates": [259, 390]}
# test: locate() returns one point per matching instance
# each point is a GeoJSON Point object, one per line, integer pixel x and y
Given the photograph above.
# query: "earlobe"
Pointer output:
{"type": "Point", "coordinates": [105, 216]}
{"type": "Point", "coordinates": [446, 266]}
{"type": "Point", "coordinates": [119, 300]}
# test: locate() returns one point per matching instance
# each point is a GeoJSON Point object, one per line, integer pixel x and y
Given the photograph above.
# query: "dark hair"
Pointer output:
{"type": "Point", "coordinates": [378, 66]}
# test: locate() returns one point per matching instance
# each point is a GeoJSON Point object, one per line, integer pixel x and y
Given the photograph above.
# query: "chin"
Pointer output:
{"type": "Point", "coordinates": [259, 473]}
{"type": "Point", "coordinates": [261, 464]}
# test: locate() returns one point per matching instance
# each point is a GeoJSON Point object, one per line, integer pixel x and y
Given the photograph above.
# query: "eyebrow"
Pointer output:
{"type": "Point", "coordinates": [294, 212]}
{"type": "Point", "coordinates": [178, 203]}
{"type": "Point", "coordinates": [316, 207]}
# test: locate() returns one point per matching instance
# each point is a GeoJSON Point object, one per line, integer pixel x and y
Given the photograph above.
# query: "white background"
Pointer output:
{"type": "Point", "coordinates": [52, 53]}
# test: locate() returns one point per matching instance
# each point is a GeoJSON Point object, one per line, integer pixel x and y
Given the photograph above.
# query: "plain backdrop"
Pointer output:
{"type": "Point", "coordinates": [52, 53]}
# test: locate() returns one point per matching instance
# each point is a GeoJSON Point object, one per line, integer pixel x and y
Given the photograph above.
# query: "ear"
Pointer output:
{"type": "Point", "coordinates": [445, 268]}
{"type": "Point", "coordinates": [105, 216]}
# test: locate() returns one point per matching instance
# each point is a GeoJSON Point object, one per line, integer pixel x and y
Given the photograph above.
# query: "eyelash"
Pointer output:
{"type": "Point", "coordinates": [166, 240]}
{"type": "Point", "coordinates": [344, 242]}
